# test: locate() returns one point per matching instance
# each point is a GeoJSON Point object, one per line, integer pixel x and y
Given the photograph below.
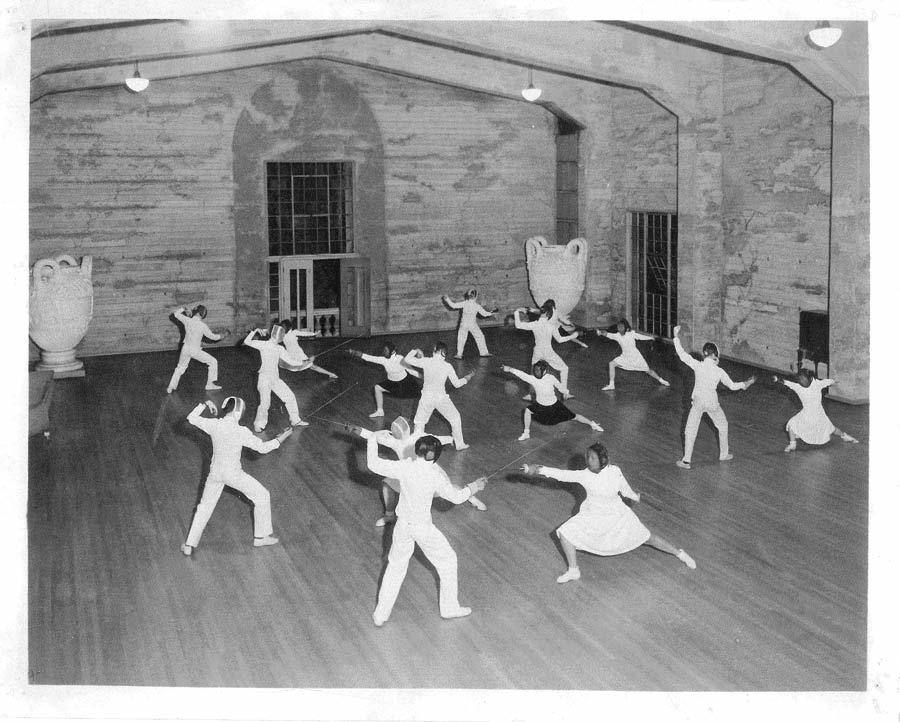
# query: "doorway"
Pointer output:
{"type": "Point", "coordinates": [652, 280]}
{"type": "Point", "coordinates": [328, 294]}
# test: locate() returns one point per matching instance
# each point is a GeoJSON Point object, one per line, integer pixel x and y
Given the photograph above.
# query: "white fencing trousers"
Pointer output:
{"type": "Point", "coordinates": [444, 406]}
{"type": "Point", "coordinates": [462, 335]}
{"type": "Point", "coordinates": [555, 361]}
{"type": "Point", "coordinates": [184, 358]}
{"type": "Point", "coordinates": [693, 424]}
{"type": "Point", "coordinates": [437, 550]}
{"type": "Point", "coordinates": [266, 388]}
{"type": "Point", "coordinates": [244, 483]}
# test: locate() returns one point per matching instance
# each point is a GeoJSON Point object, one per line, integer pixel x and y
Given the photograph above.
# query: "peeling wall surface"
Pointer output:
{"type": "Point", "coordinates": [775, 209]}
{"type": "Point", "coordinates": [166, 190]}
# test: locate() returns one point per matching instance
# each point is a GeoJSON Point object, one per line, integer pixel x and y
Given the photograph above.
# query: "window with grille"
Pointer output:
{"type": "Point", "coordinates": [310, 207]}
{"type": "Point", "coordinates": [654, 250]}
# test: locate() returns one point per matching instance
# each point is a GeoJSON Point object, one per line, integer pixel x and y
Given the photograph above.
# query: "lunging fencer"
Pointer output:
{"type": "Point", "coordinates": [468, 321]}
{"type": "Point", "coordinates": [546, 330]}
{"type": "Point", "coordinates": [436, 372]}
{"type": "Point", "coordinates": [604, 524]}
{"type": "Point", "coordinates": [418, 481]}
{"type": "Point", "coordinates": [630, 359]}
{"type": "Point", "coordinates": [299, 361]}
{"type": "Point", "coordinates": [705, 399]}
{"type": "Point", "coordinates": [811, 424]}
{"type": "Point", "coordinates": [228, 439]}
{"type": "Point", "coordinates": [195, 329]}
{"type": "Point", "coordinates": [402, 441]}
{"type": "Point", "coordinates": [269, 380]}
{"type": "Point", "coordinates": [546, 408]}
{"type": "Point", "coordinates": [401, 379]}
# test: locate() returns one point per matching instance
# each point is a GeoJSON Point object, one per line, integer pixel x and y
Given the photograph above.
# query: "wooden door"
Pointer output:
{"type": "Point", "coordinates": [355, 297]}
{"type": "Point", "coordinates": [295, 298]}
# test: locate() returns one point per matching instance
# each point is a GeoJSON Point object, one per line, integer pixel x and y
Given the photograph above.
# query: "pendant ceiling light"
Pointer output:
{"type": "Point", "coordinates": [531, 93]}
{"type": "Point", "coordinates": [824, 35]}
{"type": "Point", "coordinates": [136, 83]}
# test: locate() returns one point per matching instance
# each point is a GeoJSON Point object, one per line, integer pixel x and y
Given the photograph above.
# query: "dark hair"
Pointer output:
{"type": "Point", "coordinates": [805, 374]}
{"type": "Point", "coordinates": [200, 310]}
{"type": "Point", "coordinates": [540, 368]}
{"type": "Point", "coordinates": [710, 349]}
{"type": "Point", "coordinates": [286, 323]}
{"type": "Point", "coordinates": [601, 452]}
{"type": "Point", "coordinates": [439, 347]}
{"type": "Point", "coordinates": [428, 446]}
{"type": "Point", "coordinates": [624, 322]}
{"type": "Point", "coordinates": [548, 307]}
{"type": "Point", "coordinates": [390, 347]}
{"type": "Point", "coordinates": [471, 293]}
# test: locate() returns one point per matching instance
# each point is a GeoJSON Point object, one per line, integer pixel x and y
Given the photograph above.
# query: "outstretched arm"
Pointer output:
{"type": "Point", "coordinates": [643, 336]}
{"type": "Point", "coordinates": [252, 441]}
{"type": "Point", "coordinates": [527, 378]}
{"type": "Point", "coordinates": [484, 313]}
{"type": "Point", "coordinates": [562, 339]}
{"type": "Point", "coordinates": [210, 334]}
{"type": "Point", "coordinates": [455, 380]}
{"type": "Point", "coordinates": [519, 323]}
{"type": "Point", "coordinates": [451, 303]}
{"type": "Point", "coordinates": [558, 474]}
{"type": "Point", "coordinates": [725, 379]}
{"type": "Point", "coordinates": [459, 494]}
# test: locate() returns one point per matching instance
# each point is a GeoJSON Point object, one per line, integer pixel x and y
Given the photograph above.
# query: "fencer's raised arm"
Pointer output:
{"type": "Point", "coordinates": [685, 357]}
{"type": "Point", "coordinates": [196, 418]}
{"type": "Point", "coordinates": [451, 303]}
{"type": "Point", "coordinates": [519, 323]}
{"type": "Point", "coordinates": [251, 341]}
{"type": "Point", "coordinates": [376, 465]}
{"type": "Point", "coordinates": [412, 359]}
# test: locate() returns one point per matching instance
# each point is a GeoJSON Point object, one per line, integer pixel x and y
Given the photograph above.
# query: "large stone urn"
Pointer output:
{"type": "Point", "coordinates": [557, 272]}
{"type": "Point", "coordinates": [62, 305]}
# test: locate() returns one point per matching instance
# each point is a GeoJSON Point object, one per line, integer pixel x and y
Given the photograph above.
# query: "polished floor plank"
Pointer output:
{"type": "Point", "coordinates": [778, 600]}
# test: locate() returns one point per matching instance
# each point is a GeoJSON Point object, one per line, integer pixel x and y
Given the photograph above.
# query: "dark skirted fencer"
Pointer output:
{"type": "Point", "coordinates": [400, 381]}
{"type": "Point", "coordinates": [546, 409]}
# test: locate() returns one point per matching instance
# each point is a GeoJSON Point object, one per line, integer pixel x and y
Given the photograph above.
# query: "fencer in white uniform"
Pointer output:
{"type": "Point", "coordinates": [269, 380]}
{"type": "Point", "coordinates": [546, 330]}
{"type": "Point", "coordinates": [228, 439]}
{"type": "Point", "coordinates": [403, 442]}
{"type": "Point", "coordinates": [299, 361]}
{"type": "Point", "coordinates": [468, 321]}
{"type": "Point", "coordinates": [436, 371]}
{"type": "Point", "coordinates": [811, 424]}
{"type": "Point", "coordinates": [195, 329]}
{"type": "Point", "coordinates": [705, 399]}
{"type": "Point", "coordinates": [418, 481]}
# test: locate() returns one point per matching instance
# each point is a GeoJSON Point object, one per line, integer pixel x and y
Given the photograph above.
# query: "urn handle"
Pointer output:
{"type": "Point", "coordinates": [40, 266]}
{"type": "Point", "coordinates": [578, 247]}
{"type": "Point", "coordinates": [534, 247]}
{"type": "Point", "coordinates": [67, 259]}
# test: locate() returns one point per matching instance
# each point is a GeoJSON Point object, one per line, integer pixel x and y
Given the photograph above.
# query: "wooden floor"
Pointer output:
{"type": "Point", "coordinates": [778, 601]}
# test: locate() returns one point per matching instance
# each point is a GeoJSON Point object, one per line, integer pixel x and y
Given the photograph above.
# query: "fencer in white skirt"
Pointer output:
{"type": "Point", "coordinates": [468, 321]}
{"type": "Point", "coordinates": [811, 424]}
{"type": "Point", "coordinates": [228, 439]}
{"type": "Point", "coordinates": [630, 359]}
{"type": "Point", "coordinates": [269, 382]}
{"type": "Point", "coordinates": [418, 481]}
{"type": "Point", "coordinates": [604, 524]}
{"type": "Point", "coordinates": [299, 361]}
{"type": "Point", "coordinates": [195, 329]}
{"type": "Point", "coordinates": [546, 330]}
{"type": "Point", "coordinates": [436, 372]}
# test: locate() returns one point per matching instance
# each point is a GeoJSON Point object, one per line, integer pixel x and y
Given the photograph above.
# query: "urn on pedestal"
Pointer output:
{"type": "Point", "coordinates": [61, 307]}
{"type": "Point", "coordinates": [557, 272]}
